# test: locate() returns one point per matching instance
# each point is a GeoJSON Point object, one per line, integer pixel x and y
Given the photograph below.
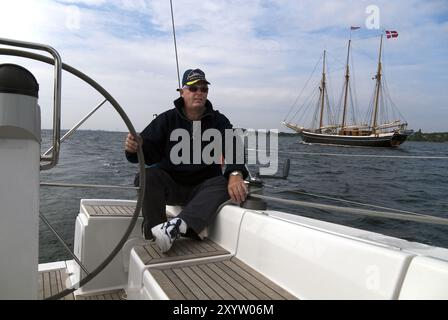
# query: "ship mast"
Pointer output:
{"type": "Point", "coordinates": [377, 90]}
{"type": "Point", "coordinates": [347, 77]}
{"type": "Point", "coordinates": [321, 123]}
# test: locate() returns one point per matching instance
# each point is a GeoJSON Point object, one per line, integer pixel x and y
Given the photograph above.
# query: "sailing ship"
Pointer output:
{"type": "Point", "coordinates": [376, 132]}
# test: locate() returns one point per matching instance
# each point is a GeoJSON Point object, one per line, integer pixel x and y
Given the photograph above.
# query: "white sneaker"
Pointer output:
{"type": "Point", "coordinates": [166, 233]}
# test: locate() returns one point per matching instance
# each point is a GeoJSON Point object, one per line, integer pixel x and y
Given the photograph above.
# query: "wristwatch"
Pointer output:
{"type": "Point", "coordinates": [236, 173]}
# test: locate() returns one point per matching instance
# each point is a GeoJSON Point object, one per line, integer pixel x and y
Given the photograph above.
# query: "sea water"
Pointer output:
{"type": "Point", "coordinates": [413, 177]}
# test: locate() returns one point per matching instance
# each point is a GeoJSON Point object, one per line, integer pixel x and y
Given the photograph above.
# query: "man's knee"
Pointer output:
{"type": "Point", "coordinates": [215, 185]}
{"type": "Point", "coordinates": [218, 181]}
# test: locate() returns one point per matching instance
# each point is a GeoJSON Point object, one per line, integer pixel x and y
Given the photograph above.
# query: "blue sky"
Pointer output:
{"type": "Point", "coordinates": [258, 54]}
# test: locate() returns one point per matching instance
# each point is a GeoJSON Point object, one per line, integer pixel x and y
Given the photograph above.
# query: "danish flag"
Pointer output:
{"type": "Point", "coordinates": [391, 34]}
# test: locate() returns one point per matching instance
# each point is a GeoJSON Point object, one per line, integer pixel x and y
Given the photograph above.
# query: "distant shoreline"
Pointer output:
{"type": "Point", "coordinates": [429, 137]}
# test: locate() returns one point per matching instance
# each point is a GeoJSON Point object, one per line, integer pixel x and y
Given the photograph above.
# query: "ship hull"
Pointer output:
{"type": "Point", "coordinates": [391, 140]}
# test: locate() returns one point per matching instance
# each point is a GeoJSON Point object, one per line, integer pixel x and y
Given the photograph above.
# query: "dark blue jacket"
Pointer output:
{"type": "Point", "coordinates": [157, 145]}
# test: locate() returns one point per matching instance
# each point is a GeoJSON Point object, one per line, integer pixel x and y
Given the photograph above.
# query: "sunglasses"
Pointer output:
{"type": "Point", "coordinates": [196, 88]}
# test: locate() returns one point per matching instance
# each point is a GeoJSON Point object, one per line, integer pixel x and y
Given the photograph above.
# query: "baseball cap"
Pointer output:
{"type": "Point", "coordinates": [192, 76]}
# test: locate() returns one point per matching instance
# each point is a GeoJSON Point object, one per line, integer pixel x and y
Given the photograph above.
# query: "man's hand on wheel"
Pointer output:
{"type": "Point", "coordinates": [132, 142]}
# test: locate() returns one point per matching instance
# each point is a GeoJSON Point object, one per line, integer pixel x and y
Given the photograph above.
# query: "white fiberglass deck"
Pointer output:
{"type": "Point", "coordinates": [259, 255]}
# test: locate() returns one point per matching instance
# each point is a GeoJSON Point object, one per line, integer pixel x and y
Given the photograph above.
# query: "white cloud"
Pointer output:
{"type": "Point", "coordinates": [257, 53]}
{"type": "Point", "coordinates": [86, 2]}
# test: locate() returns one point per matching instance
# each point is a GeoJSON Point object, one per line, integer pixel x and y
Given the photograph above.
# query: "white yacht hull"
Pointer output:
{"type": "Point", "coordinates": [308, 258]}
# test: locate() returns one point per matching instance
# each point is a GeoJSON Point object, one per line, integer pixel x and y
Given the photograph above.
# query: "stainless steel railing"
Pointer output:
{"type": "Point", "coordinates": [52, 160]}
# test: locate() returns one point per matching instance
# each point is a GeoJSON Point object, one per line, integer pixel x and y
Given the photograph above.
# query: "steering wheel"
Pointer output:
{"type": "Point", "coordinates": [56, 141]}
